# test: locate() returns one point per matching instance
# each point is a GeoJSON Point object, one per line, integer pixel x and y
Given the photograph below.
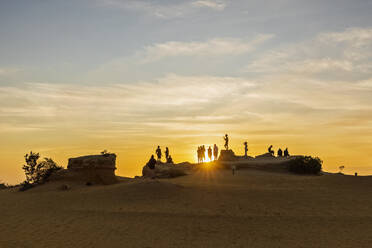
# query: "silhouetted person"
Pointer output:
{"type": "Point", "coordinates": [210, 153]}
{"type": "Point", "coordinates": [169, 160]}
{"type": "Point", "coordinates": [158, 153]}
{"type": "Point", "coordinates": [233, 169]}
{"type": "Point", "coordinates": [152, 162]}
{"type": "Point", "coordinates": [246, 149]}
{"type": "Point", "coordinates": [286, 153]}
{"type": "Point", "coordinates": [166, 152]}
{"type": "Point", "coordinates": [203, 153]}
{"type": "Point", "coordinates": [226, 138]}
{"type": "Point", "coordinates": [198, 153]}
{"type": "Point", "coordinates": [280, 152]}
{"type": "Point", "coordinates": [270, 150]}
{"type": "Point", "coordinates": [215, 152]}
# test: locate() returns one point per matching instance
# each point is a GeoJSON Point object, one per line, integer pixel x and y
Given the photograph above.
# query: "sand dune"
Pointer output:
{"type": "Point", "coordinates": [208, 208]}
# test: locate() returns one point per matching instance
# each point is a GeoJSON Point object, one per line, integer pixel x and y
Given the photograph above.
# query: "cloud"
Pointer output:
{"type": "Point", "coordinates": [346, 54]}
{"type": "Point", "coordinates": [149, 102]}
{"type": "Point", "coordinates": [210, 4]}
{"type": "Point", "coordinates": [178, 103]}
{"type": "Point", "coordinates": [165, 10]}
{"type": "Point", "coordinates": [356, 37]}
{"type": "Point", "coordinates": [212, 47]}
{"type": "Point", "coordinates": [6, 71]}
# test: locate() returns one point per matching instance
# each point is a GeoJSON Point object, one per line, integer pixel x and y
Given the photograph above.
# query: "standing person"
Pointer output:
{"type": "Point", "coordinates": [286, 153]}
{"type": "Point", "coordinates": [203, 153]}
{"type": "Point", "coordinates": [233, 169]}
{"type": "Point", "coordinates": [215, 152]}
{"type": "Point", "coordinates": [226, 139]}
{"type": "Point", "coordinates": [166, 153]}
{"type": "Point", "coordinates": [158, 153]}
{"type": "Point", "coordinates": [210, 153]}
{"type": "Point", "coordinates": [270, 150]}
{"type": "Point", "coordinates": [246, 149]}
{"type": "Point", "coordinates": [198, 153]}
{"type": "Point", "coordinates": [280, 152]}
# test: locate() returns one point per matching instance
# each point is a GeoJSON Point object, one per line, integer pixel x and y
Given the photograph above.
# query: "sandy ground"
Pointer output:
{"type": "Point", "coordinates": [206, 209]}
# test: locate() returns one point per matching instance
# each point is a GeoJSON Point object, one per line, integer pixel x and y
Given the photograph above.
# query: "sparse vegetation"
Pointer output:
{"type": "Point", "coordinates": [2, 186]}
{"type": "Point", "coordinates": [37, 172]}
{"type": "Point", "coordinates": [105, 153]}
{"type": "Point", "coordinates": [305, 165]}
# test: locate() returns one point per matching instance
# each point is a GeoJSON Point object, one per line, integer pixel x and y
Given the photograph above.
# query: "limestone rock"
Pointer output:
{"type": "Point", "coordinates": [266, 155]}
{"type": "Point", "coordinates": [227, 155]}
{"type": "Point", "coordinates": [99, 169]}
{"type": "Point", "coordinates": [166, 170]}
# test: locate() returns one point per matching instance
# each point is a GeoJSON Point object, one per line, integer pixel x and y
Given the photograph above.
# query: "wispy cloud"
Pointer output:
{"type": "Point", "coordinates": [174, 102]}
{"type": "Point", "coordinates": [217, 5]}
{"type": "Point", "coordinates": [213, 47]}
{"type": "Point", "coordinates": [334, 55]}
{"type": "Point", "coordinates": [165, 10]}
{"type": "Point", "coordinates": [6, 71]}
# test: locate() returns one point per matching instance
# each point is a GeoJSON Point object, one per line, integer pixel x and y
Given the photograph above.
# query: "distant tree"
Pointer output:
{"type": "Point", "coordinates": [37, 172]}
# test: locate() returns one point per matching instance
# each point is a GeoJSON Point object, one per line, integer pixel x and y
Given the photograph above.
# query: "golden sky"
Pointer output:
{"type": "Point", "coordinates": [63, 121]}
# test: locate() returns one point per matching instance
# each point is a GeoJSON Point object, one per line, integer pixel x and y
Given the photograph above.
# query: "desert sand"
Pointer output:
{"type": "Point", "coordinates": [208, 208]}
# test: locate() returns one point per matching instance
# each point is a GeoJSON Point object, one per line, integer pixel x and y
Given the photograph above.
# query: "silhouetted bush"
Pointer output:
{"type": "Point", "coordinates": [26, 186]}
{"type": "Point", "coordinates": [305, 165]}
{"type": "Point", "coordinates": [37, 173]}
{"type": "Point", "coordinates": [106, 153]}
{"type": "Point", "coordinates": [2, 186]}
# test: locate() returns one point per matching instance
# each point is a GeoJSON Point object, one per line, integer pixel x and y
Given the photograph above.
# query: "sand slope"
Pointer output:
{"type": "Point", "coordinates": [205, 209]}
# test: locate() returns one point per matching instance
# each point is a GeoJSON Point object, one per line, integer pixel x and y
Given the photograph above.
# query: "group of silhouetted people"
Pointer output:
{"type": "Point", "coordinates": [152, 162]}
{"type": "Point", "coordinates": [280, 152]}
{"type": "Point", "coordinates": [202, 156]}
{"type": "Point", "coordinates": [168, 157]}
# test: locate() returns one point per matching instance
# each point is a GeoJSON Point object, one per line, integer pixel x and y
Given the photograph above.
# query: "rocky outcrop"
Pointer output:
{"type": "Point", "coordinates": [166, 170]}
{"type": "Point", "coordinates": [266, 155]}
{"type": "Point", "coordinates": [97, 169]}
{"type": "Point", "coordinates": [227, 155]}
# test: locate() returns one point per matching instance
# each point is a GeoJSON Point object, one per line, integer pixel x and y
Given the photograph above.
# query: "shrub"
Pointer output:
{"type": "Point", "coordinates": [37, 173]}
{"type": "Point", "coordinates": [2, 186]}
{"type": "Point", "coordinates": [105, 153]}
{"type": "Point", "coordinates": [305, 165]}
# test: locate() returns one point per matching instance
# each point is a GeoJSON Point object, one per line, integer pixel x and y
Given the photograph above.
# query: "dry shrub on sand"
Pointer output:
{"type": "Point", "coordinates": [37, 172]}
{"type": "Point", "coordinates": [305, 165]}
{"type": "Point", "coordinates": [2, 186]}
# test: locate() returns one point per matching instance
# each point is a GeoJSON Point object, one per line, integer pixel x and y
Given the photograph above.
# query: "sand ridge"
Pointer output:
{"type": "Point", "coordinates": [208, 208]}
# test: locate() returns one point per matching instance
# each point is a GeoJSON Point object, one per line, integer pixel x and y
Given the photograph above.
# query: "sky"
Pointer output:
{"type": "Point", "coordinates": [79, 77]}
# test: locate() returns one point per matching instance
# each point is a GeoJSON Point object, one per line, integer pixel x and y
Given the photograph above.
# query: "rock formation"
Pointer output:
{"type": "Point", "coordinates": [98, 169]}
{"type": "Point", "coordinates": [166, 170]}
{"type": "Point", "coordinates": [266, 155]}
{"type": "Point", "coordinates": [227, 155]}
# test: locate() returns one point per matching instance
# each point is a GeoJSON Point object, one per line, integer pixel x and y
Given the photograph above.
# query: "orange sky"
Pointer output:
{"type": "Point", "coordinates": [134, 150]}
